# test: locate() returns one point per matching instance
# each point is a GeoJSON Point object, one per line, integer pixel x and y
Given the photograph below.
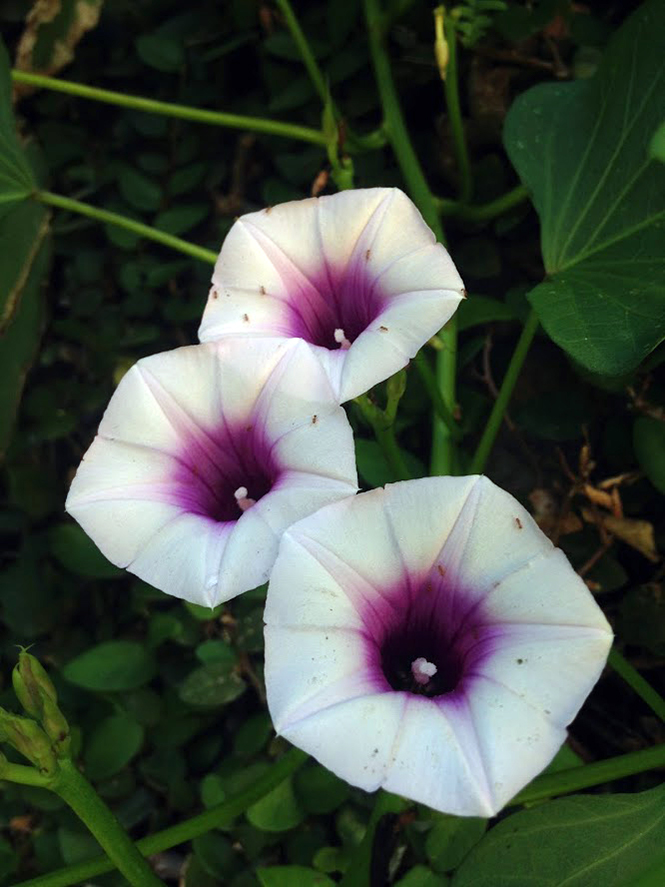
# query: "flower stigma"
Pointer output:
{"type": "Point", "coordinates": [242, 499]}
{"type": "Point", "coordinates": [341, 339]}
{"type": "Point", "coordinates": [422, 670]}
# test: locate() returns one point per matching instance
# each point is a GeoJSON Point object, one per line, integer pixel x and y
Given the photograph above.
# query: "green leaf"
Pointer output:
{"type": "Point", "coordinates": [582, 841]}
{"type": "Point", "coordinates": [373, 466]}
{"type": "Point", "coordinates": [215, 854]}
{"type": "Point", "coordinates": [112, 745]}
{"type": "Point", "coordinates": [642, 618]}
{"type": "Point", "coordinates": [212, 685]}
{"type": "Point", "coordinates": [649, 443]}
{"type": "Point", "coordinates": [278, 811]}
{"type": "Point", "coordinates": [160, 52]}
{"type": "Point", "coordinates": [657, 145]}
{"type": "Point", "coordinates": [319, 790]}
{"type": "Point", "coordinates": [139, 190]}
{"type": "Point", "coordinates": [25, 248]}
{"type": "Point", "coordinates": [181, 218]}
{"type": "Point", "coordinates": [16, 177]}
{"type": "Point", "coordinates": [420, 876]}
{"type": "Point", "coordinates": [292, 876]}
{"type": "Point", "coordinates": [112, 665]}
{"type": "Point", "coordinates": [450, 840]}
{"type": "Point", "coordinates": [78, 553]}
{"type": "Point", "coordinates": [582, 150]}
{"type": "Point", "coordinates": [481, 309]}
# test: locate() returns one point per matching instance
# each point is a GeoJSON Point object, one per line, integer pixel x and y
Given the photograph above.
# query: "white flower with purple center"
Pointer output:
{"type": "Point", "coordinates": [205, 455]}
{"type": "Point", "coordinates": [357, 274]}
{"type": "Point", "coordinates": [428, 638]}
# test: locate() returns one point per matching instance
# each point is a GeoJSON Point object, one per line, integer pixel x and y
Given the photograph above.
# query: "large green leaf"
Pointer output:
{"type": "Point", "coordinates": [582, 841]}
{"type": "Point", "coordinates": [16, 179]}
{"type": "Point", "coordinates": [24, 259]}
{"type": "Point", "coordinates": [583, 150]}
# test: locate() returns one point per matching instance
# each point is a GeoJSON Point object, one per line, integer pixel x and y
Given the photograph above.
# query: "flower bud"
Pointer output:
{"type": "Point", "coordinates": [28, 738]}
{"type": "Point", "coordinates": [37, 695]}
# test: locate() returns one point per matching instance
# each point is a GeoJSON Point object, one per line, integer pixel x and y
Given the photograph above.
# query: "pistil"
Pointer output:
{"type": "Point", "coordinates": [422, 670]}
{"type": "Point", "coordinates": [242, 499]}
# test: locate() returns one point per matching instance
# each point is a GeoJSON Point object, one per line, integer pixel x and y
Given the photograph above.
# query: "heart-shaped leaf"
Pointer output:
{"type": "Point", "coordinates": [583, 150]}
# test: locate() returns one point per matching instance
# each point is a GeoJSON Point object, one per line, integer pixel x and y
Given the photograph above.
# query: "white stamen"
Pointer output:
{"type": "Point", "coordinates": [243, 500]}
{"type": "Point", "coordinates": [344, 343]}
{"type": "Point", "coordinates": [422, 670]}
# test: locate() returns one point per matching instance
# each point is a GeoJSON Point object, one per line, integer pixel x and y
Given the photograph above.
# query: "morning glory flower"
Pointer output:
{"type": "Point", "coordinates": [427, 638]}
{"type": "Point", "coordinates": [357, 274]}
{"type": "Point", "coordinates": [205, 455]}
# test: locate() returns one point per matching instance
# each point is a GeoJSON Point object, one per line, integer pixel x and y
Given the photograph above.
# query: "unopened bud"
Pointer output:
{"type": "Point", "coordinates": [28, 738]}
{"type": "Point", "coordinates": [37, 695]}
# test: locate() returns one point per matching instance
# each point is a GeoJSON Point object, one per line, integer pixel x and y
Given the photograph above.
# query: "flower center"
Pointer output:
{"type": "Point", "coordinates": [223, 473]}
{"type": "Point", "coordinates": [333, 309]}
{"type": "Point", "coordinates": [431, 637]}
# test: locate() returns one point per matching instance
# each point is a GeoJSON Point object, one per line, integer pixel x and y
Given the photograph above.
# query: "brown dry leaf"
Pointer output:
{"type": "Point", "coordinates": [52, 30]}
{"type": "Point", "coordinates": [634, 532]}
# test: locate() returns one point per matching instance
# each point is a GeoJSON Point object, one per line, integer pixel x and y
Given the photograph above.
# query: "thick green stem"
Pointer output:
{"type": "Point", "coordinates": [501, 403]}
{"type": "Point", "coordinates": [220, 816]}
{"type": "Point", "coordinates": [384, 432]}
{"type": "Point", "coordinates": [143, 230]}
{"type": "Point", "coordinates": [152, 106]}
{"type": "Point", "coordinates": [443, 455]}
{"type": "Point", "coordinates": [566, 781]}
{"type": "Point", "coordinates": [635, 680]}
{"type": "Point", "coordinates": [451, 89]}
{"type": "Point", "coordinates": [73, 788]}
{"type": "Point", "coordinates": [426, 372]}
{"type": "Point", "coordinates": [315, 74]}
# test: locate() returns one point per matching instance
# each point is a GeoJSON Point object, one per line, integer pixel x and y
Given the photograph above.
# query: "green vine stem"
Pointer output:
{"type": "Point", "coordinates": [216, 817]}
{"type": "Point", "coordinates": [384, 432]}
{"type": "Point", "coordinates": [200, 115]}
{"type": "Point", "coordinates": [315, 73]}
{"type": "Point", "coordinates": [505, 392]}
{"type": "Point", "coordinates": [143, 230]}
{"type": "Point", "coordinates": [635, 680]}
{"type": "Point", "coordinates": [422, 365]}
{"type": "Point", "coordinates": [483, 212]}
{"type": "Point", "coordinates": [75, 789]}
{"type": "Point", "coordinates": [443, 446]}
{"type": "Point", "coordinates": [451, 90]}
{"type": "Point", "coordinates": [587, 775]}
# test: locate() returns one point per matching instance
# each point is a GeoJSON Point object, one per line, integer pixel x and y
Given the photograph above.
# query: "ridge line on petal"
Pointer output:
{"type": "Point", "coordinates": [302, 540]}
{"type": "Point", "coordinates": [484, 791]}
{"type": "Point", "coordinates": [327, 708]}
{"type": "Point", "coordinates": [548, 718]}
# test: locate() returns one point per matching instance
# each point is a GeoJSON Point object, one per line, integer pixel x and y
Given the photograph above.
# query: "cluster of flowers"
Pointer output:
{"type": "Point", "coordinates": [425, 637]}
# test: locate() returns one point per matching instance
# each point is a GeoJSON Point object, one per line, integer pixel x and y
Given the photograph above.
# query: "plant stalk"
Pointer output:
{"type": "Point", "coordinates": [635, 680]}
{"type": "Point", "coordinates": [73, 788]}
{"type": "Point", "coordinates": [220, 816]}
{"type": "Point", "coordinates": [443, 446]}
{"type": "Point", "coordinates": [184, 112]}
{"type": "Point", "coordinates": [501, 404]}
{"type": "Point", "coordinates": [140, 228]}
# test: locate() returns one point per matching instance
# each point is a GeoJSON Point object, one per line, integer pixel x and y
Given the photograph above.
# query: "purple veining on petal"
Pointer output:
{"type": "Point", "coordinates": [214, 465]}
{"type": "Point", "coordinates": [346, 299]}
{"type": "Point", "coordinates": [428, 620]}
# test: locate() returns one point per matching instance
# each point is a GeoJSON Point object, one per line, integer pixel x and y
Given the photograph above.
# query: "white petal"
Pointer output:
{"type": "Point", "coordinates": [493, 537]}
{"type": "Point", "coordinates": [312, 669]}
{"type": "Point", "coordinates": [551, 667]}
{"type": "Point", "coordinates": [545, 590]}
{"type": "Point", "coordinates": [355, 533]}
{"type": "Point", "coordinates": [436, 759]}
{"type": "Point", "coordinates": [514, 739]}
{"type": "Point", "coordinates": [121, 495]}
{"type": "Point", "coordinates": [316, 599]}
{"type": "Point", "coordinates": [422, 514]}
{"type": "Point", "coordinates": [182, 558]}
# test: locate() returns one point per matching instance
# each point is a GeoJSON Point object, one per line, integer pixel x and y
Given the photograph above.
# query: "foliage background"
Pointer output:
{"type": "Point", "coordinates": [167, 698]}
